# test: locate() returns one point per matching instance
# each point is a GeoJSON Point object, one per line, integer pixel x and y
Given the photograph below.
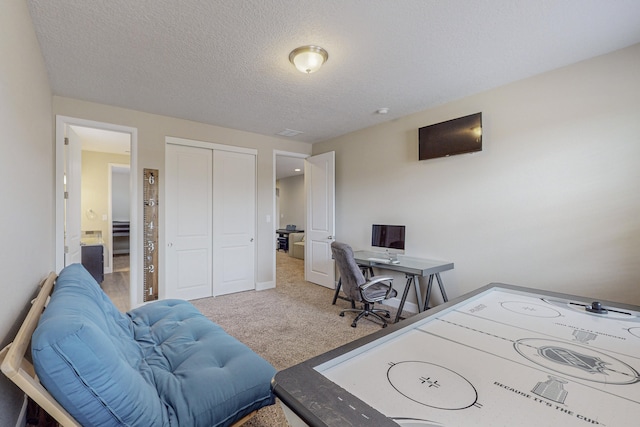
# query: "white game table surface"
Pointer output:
{"type": "Point", "coordinates": [503, 355]}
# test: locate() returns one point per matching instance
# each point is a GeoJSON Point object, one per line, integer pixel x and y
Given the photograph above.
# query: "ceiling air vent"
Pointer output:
{"type": "Point", "coordinates": [289, 132]}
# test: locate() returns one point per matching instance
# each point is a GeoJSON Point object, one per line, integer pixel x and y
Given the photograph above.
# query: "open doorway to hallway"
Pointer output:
{"type": "Point", "coordinates": [105, 207]}
{"type": "Point", "coordinates": [318, 215]}
{"type": "Point", "coordinates": [290, 209]}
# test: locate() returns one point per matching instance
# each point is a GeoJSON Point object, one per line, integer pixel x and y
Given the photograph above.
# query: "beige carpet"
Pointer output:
{"type": "Point", "coordinates": [286, 325]}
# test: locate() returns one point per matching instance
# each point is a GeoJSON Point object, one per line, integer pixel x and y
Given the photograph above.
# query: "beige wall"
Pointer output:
{"type": "Point", "coordinates": [552, 201]}
{"type": "Point", "coordinates": [152, 130]}
{"type": "Point", "coordinates": [26, 173]}
{"type": "Point", "coordinates": [292, 201]}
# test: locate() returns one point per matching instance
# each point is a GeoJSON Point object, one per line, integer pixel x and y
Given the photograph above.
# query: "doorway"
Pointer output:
{"type": "Point", "coordinates": [116, 279]}
{"type": "Point", "coordinates": [119, 211]}
{"type": "Point", "coordinates": [289, 211]}
{"type": "Point", "coordinates": [100, 144]}
{"type": "Point", "coordinates": [319, 214]}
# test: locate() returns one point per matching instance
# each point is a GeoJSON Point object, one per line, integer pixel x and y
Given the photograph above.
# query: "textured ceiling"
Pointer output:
{"type": "Point", "coordinates": [225, 62]}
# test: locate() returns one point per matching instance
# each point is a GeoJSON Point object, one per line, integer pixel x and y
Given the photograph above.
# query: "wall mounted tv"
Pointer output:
{"type": "Point", "coordinates": [456, 136]}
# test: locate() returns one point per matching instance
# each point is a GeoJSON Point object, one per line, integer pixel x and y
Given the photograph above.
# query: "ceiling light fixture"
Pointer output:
{"type": "Point", "coordinates": [308, 59]}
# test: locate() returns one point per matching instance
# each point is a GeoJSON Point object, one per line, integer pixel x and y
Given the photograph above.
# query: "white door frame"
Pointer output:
{"type": "Point", "coordinates": [61, 123]}
{"type": "Point", "coordinates": [72, 203]}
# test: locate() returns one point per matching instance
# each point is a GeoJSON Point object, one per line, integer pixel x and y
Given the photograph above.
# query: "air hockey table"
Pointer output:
{"type": "Point", "coordinates": [500, 356]}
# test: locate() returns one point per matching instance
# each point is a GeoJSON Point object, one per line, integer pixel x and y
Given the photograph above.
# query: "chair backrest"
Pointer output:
{"type": "Point", "coordinates": [350, 274]}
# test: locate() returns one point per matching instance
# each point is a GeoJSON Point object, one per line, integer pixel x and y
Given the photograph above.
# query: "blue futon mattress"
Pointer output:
{"type": "Point", "coordinates": [163, 364]}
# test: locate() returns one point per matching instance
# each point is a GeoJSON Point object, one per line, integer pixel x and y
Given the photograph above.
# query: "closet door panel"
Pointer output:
{"type": "Point", "coordinates": [188, 222]}
{"type": "Point", "coordinates": [234, 207]}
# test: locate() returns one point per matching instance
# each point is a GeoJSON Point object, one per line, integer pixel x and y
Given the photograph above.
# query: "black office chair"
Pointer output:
{"type": "Point", "coordinates": [359, 289]}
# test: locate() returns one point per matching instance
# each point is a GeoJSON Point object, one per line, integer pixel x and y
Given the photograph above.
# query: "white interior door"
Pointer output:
{"type": "Point", "coordinates": [188, 227]}
{"type": "Point", "coordinates": [319, 182]}
{"type": "Point", "coordinates": [72, 189]}
{"type": "Point", "coordinates": [234, 221]}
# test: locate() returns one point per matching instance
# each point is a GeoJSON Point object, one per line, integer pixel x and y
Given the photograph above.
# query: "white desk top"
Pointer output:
{"type": "Point", "coordinates": [408, 265]}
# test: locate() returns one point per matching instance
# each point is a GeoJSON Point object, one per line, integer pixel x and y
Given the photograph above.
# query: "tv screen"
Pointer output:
{"type": "Point", "coordinates": [457, 136]}
{"type": "Point", "coordinates": [387, 236]}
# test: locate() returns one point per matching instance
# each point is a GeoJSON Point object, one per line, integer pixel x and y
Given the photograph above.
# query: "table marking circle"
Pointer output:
{"type": "Point", "coordinates": [432, 385]}
{"type": "Point", "coordinates": [635, 331]}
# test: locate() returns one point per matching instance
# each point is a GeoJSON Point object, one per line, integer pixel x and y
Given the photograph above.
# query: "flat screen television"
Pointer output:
{"type": "Point", "coordinates": [456, 136]}
{"type": "Point", "coordinates": [388, 237]}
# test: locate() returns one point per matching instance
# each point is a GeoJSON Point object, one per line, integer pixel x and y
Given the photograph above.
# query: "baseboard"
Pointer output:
{"type": "Point", "coordinates": [22, 418]}
{"type": "Point", "coordinates": [411, 307]}
{"type": "Point", "coordinates": [261, 286]}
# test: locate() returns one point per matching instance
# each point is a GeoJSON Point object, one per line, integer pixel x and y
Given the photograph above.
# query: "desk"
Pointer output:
{"type": "Point", "coordinates": [412, 268]}
{"type": "Point", "coordinates": [283, 238]}
{"type": "Point", "coordinates": [501, 355]}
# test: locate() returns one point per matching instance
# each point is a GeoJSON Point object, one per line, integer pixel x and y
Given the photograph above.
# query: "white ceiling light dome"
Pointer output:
{"type": "Point", "coordinates": [308, 59]}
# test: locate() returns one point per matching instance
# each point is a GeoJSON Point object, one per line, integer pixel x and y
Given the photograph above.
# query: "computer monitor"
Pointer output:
{"type": "Point", "coordinates": [388, 237]}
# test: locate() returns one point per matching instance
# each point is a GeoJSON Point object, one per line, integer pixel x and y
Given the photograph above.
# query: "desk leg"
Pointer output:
{"type": "Point", "coordinates": [444, 294]}
{"type": "Point", "coordinates": [367, 272]}
{"type": "Point", "coordinates": [335, 296]}
{"type": "Point", "coordinates": [404, 298]}
{"type": "Point", "coordinates": [430, 286]}
{"type": "Point", "coordinates": [428, 297]}
{"type": "Point", "coordinates": [416, 284]}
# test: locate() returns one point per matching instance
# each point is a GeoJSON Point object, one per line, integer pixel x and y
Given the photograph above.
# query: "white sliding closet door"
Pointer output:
{"type": "Point", "coordinates": [210, 219]}
{"type": "Point", "coordinates": [188, 223]}
{"type": "Point", "coordinates": [234, 189]}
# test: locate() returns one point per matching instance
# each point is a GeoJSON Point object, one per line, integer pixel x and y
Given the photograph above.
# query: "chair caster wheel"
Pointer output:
{"type": "Point", "coordinates": [341, 314]}
{"type": "Point", "coordinates": [384, 325]}
{"type": "Point", "coordinates": [354, 324]}
{"type": "Point", "coordinates": [388, 316]}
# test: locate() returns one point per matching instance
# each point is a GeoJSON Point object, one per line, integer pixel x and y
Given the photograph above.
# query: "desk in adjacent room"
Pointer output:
{"type": "Point", "coordinates": [413, 268]}
{"type": "Point", "coordinates": [501, 355]}
{"type": "Point", "coordinates": [283, 238]}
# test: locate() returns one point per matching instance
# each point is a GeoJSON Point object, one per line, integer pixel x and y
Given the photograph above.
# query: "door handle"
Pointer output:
{"type": "Point", "coordinates": [330, 237]}
{"type": "Point", "coordinates": [251, 239]}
